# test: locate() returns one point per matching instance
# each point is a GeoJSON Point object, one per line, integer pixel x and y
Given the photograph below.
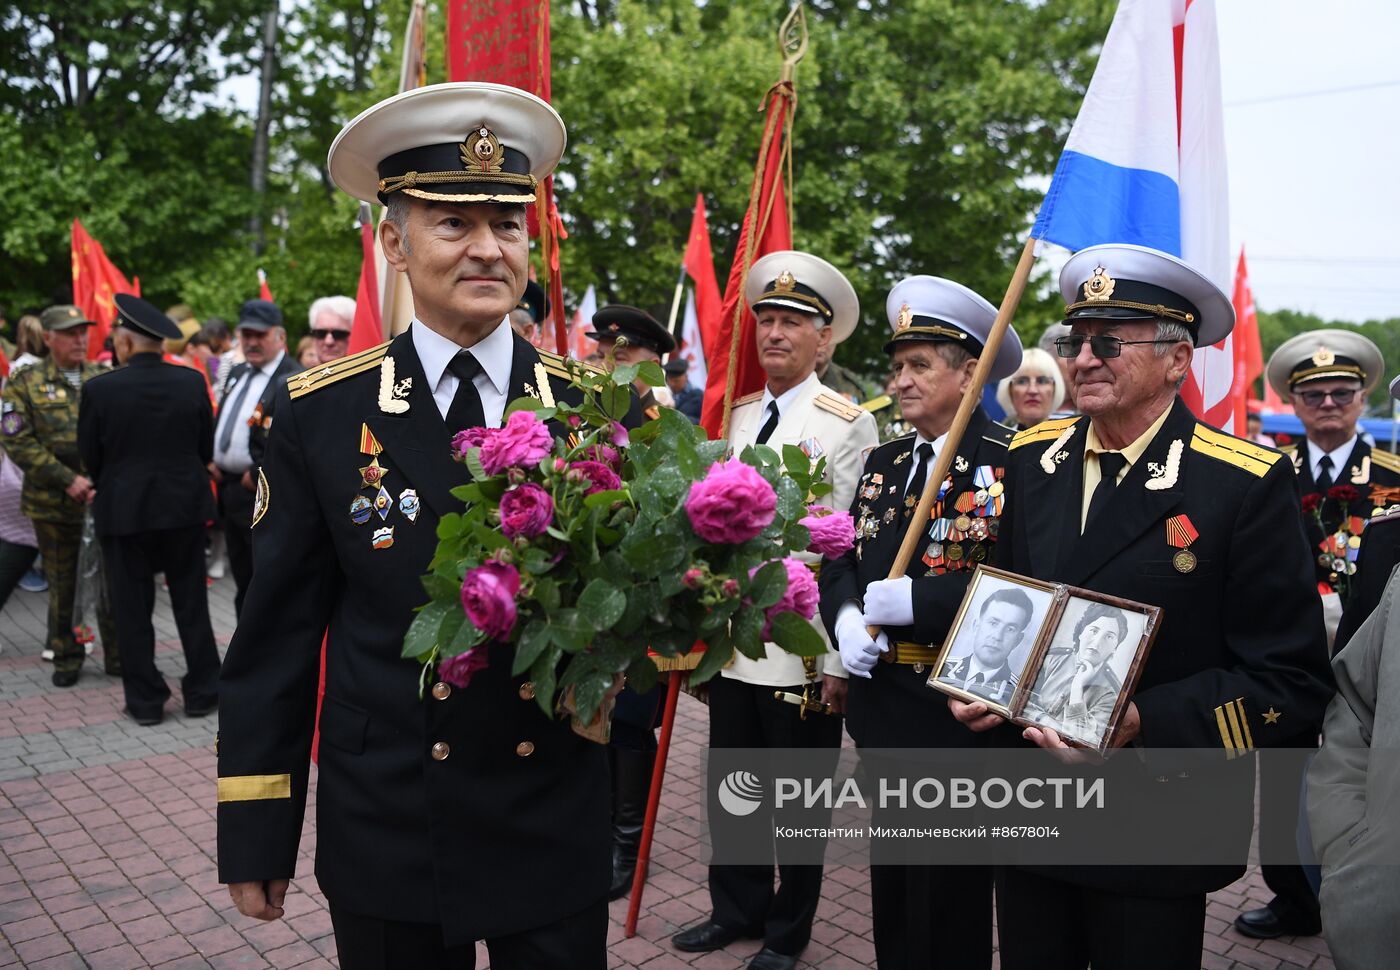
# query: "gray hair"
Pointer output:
{"type": "Point", "coordinates": [1051, 334]}
{"type": "Point", "coordinates": [340, 306]}
{"type": "Point", "coordinates": [396, 211]}
{"type": "Point", "coordinates": [1176, 333]}
{"type": "Point", "coordinates": [953, 355]}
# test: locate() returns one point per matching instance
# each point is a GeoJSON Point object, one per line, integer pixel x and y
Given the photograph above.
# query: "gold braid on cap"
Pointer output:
{"type": "Point", "coordinates": [1148, 309]}
{"type": "Point", "coordinates": [410, 180]}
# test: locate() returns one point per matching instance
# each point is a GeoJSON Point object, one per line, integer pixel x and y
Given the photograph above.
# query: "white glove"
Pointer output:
{"type": "Point", "coordinates": [858, 652]}
{"type": "Point", "coordinates": [890, 602]}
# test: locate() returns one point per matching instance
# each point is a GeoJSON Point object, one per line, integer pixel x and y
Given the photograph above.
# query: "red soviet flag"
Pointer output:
{"type": "Point", "coordinates": [368, 328]}
{"type": "Point", "coordinates": [700, 264]}
{"type": "Point", "coordinates": [1249, 354]}
{"type": "Point", "coordinates": [95, 282]}
{"type": "Point", "coordinates": [733, 367]}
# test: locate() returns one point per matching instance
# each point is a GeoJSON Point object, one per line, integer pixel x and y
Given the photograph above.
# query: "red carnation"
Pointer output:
{"type": "Point", "coordinates": [1311, 502]}
{"type": "Point", "coordinates": [1343, 493]}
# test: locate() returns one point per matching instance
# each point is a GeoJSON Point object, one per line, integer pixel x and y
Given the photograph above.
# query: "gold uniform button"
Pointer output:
{"type": "Point", "coordinates": [441, 751]}
{"type": "Point", "coordinates": [525, 749]}
{"type": "Point", "coordinates": [918, 668]}
{"type": "Point", "coordinates": [527, 691]}
{"type": "Point", "coordinates": [442, 691]}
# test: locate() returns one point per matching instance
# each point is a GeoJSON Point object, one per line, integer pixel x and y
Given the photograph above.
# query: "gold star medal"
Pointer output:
{"type": "Point", "coordinates": [372, 474]}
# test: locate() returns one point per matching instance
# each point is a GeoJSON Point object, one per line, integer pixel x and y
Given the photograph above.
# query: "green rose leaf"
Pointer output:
{"type": "Point", "coordinates": [421, 638]}
{"type": "Point", "coordinates": [747, 630]}
{"type": "Point", "coordinates": [791, 499]}
{"type": "Point", "coordinates": [534, 640]}
{"type": "Point", "coordinates": [796, 635]}
{"type": "Point", "coordinates": [651, 373]}
{"type": "Point", "coordinates": [642, 674]}
{"type": "Point", "coordinates": [602, 604]}
{"type": "Point", "coordinates": [547, 594]}
{"type": "Point", "coordinates": [473, 461]}
{"type": "Point", "coordinates": [768, 585]}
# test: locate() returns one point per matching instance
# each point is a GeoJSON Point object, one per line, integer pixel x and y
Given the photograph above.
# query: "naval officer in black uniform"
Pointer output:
{"type": "Point", "coordinates": [146, 434]}
{"type": "Point", "coordinates": [1138, 499]}
{"type": "Point", "coordinates": [466, 814]}
{"type": "Point", "coordinates": [939, 330]}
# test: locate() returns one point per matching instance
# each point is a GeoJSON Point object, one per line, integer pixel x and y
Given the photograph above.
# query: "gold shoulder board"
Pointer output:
{"type": "Point", "coordinates": [876, 403]}
{"type": "Point", "coordinates": [1385, 459]}
{"type": "Point", "coordinates": [559, 366]}
{"type": "Point", "coordinates": [839, 406]}
{"type": "Point", "coordinates": [1045, 431]}
{"type": "Point", "coordinates": [1288, 449]}
{"type": "Point", "coordinates": [748, 399]}
{"type": "Point", "coordinates": [1255, 459]}
{"type": "Point", "coordinates": [315, 378]}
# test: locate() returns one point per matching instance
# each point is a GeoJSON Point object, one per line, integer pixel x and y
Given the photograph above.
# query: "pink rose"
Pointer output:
{"type": "Point", "coordinates": [467, 439]}
{"type": "Point", "coordinates": [458, 670]}
{"type": "Point", "coordinates": [608, 456]}
{"type": "Point", "coordinates": [600, 477]}
{"type": "Point", "coordinates": [833, 533]}
{"type": "Point", "coordinates": [526, 511]}
{"type": "Point", "coordinates": [524, 441]}
{"type": "Point", "coordinates": [730, 588]}
{"type": "Point", "coordinates": [800, 597]}
{"type": "Point", "coordinates": [619, 435]}
{"type": "Point", "coordinates": [693, 578]}
{"type": "Point", "coordinates": [488, 597]}
{"type": "Point", "coordinates": [732, 504]}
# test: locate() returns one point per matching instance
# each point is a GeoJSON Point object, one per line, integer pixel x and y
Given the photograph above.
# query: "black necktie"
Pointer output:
{"type": "Point", "coordinates": [765, 432]}
{"type": "Point", "coordinates": [230, 412]}
{"type": "Point", "coordinates": [1110, 464]}
{"type": "Point", "coordinates": [465, 411]}
{"type": "Point", "coordinates": [1324, 474]}
{"type": "Point", "coordinates": [915, 490]}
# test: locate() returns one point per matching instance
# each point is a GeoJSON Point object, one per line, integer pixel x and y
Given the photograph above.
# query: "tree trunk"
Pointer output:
{"type": "Point", "coordinates": [264, 123]}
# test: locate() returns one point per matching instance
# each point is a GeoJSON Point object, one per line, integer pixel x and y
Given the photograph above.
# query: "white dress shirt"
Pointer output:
{"type": "Point", "coordinates": [784, 402]}
{"type": "Point", "coordinates": [920, 440]}
{"type": "Point", "coordinates": [1339, 458]}
{"type": "Point", "coordinates": [237, 459]}
{"type": "Point", "coordinates": [495, 353]}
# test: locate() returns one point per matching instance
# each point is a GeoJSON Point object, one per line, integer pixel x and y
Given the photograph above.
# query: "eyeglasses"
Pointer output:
{"type": "Point", "coordinates": [336, 335]}
{"type": "Point", "coordinates": [1026, 380]}
{"type": "Point", "coordinates": [1341, 397]}
{"type": "Point", "coordinates": [1104, 346]}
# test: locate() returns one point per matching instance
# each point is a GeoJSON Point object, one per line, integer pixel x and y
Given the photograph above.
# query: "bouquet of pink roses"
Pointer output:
{"type": "Point", "coordinates": [588, 548]}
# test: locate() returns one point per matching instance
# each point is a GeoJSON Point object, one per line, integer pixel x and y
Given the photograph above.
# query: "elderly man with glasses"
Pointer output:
{"type": "Point", "coordinates": [1166, 510]}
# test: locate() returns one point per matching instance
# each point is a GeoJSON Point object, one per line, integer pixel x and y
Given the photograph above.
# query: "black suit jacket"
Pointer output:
{"type": "Point", "coordinates": [1241, 634]}
{"type": "Point", "coordinates": [520, 802]}
{"type": "Point", "coordinates": [146, 435]}
{"type": "Point", "coordinates": [895, 707]}
{"type": "Point", "coordinates": [261, 418]}
{"type": "Point", "coordinates": [1380, 552]}
{"type": "Point", "coordinates": [1374, 473]}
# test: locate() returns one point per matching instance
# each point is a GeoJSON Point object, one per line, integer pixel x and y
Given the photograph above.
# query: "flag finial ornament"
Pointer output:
{"type": "Point", "coordinates": [1099, 285]}
{"type": "Point", "coordinates": [905, 319]}
{"type": "Point", "coordinates": [1323, 356]}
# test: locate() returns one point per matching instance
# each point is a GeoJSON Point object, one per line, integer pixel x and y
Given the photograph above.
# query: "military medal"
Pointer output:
{"type": "Point", "coordinates": [369, 445]}
{"type": "Point", "coordinates": [995, 489]}
{"type": "Point", "coordinates": [383, 537]}
{"type": "Point", "coordinates": [889, 516]}
{"type": "Point", "coordinates": [877, 478]}
{"type": "Point", "coordinates": [360, 510]}
{"type": "Point", "coordinates": [372, 474]}
{"type": "Point", "coordinates": [939, 530]}
{"type": "Point", "coordinates": [962, 523]}
{"type": "Point", "coordinates": [408, 504]}
{"type": "Point", "coordinates": [1180, 534]}
{"type": "Point", "coordinates": [383, 501]}
{"type": "Point", "coordinates": [978, 529]}
{"type": "Point", "coordinates": [953, 551]}
{"type": "Point", "coordinates": [869, 491]}
{"type": "Point", "coordinates": [978, 553]}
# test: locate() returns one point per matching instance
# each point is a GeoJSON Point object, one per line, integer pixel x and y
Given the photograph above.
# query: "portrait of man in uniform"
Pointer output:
{"type": "Point", "coordinates": [991, 646]}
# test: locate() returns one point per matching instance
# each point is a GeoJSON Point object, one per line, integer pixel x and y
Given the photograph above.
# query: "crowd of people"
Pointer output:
{"type": "Point", "coordinates": [439, 809]}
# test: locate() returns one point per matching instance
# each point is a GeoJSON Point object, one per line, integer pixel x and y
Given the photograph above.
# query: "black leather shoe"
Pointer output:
{"type": "Point", "coordinates": [704, 937]}
{"type": "Point", "coordinates": [65, 678]}
{"type": "Point", "coordinates": [766, 959]}
{"type": "Point", "coordinates": [145, 720]}
{"type": "Point", "coordinates": [1265, 924]}
{"type": "Point", "coordinates": [201, 710]}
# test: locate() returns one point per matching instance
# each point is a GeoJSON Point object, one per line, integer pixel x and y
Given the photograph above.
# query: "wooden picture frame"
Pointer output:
{"type": "Point", "coordinates": [1106, 638]}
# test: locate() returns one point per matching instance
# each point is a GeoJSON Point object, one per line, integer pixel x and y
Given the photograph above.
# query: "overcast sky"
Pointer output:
{"type": "Point", "coordinates": [1314, 195]}
{"type": "Point", "coordinates": [1312, 126]}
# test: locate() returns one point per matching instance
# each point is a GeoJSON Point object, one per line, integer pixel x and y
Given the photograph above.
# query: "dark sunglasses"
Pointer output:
{"type": "Point", "coordinates": [336, 335]}
{"type": "Point", "coordinates": [1103, 346]}
{"type": "Point", "coordinates": [1341, 398]}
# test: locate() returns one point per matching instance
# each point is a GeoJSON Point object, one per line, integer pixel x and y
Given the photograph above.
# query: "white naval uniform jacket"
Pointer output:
{"type": "Point", "coordinates": [843, 432]}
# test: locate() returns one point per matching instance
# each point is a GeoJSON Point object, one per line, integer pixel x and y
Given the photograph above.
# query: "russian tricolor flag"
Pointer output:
{"type": "Point", "coordinates": [1145, 161]}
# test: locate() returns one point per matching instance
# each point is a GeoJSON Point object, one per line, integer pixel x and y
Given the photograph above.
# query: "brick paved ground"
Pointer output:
{"type": "Point", "coordinates": [107, 843]}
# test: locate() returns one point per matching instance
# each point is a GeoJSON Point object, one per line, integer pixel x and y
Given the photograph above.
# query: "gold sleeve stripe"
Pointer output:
{"type": "Point", "coordinates": [838, 406]}
{"type": "Point", "coordinates": [1225, 738]}
{"type": "Point", "coordinates": [316, 378]}
{"type": "Point", "coordinates": [1244, 725]}
{"type": "Point", "coordinates": [254, 788]}
{"type": "Point", "coordinates": [1385, 459]}
{"type": "Point", "coordinates": [1255, 459]}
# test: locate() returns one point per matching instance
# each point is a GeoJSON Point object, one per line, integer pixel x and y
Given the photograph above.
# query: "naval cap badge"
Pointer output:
{"type": "Point", "coordinates": [1099, 286]}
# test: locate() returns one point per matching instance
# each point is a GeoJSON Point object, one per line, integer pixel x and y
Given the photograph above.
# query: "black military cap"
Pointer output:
{"type": "Point", "coordinates": [637, 326]}
{"type": "Point", "coordinates": [138, 315]}
{"type": "Point", "coordinates": [676, 366]}
{"type": "Point", "coordinates": [259, 315]}
{"type": "Point", "coordinates": [534, 301]}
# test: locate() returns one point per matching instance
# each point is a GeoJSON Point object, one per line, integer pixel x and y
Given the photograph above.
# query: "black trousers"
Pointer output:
{"type": "Point", "coordinates": [236, 516]}
{"type": "Point", "coordinates": [578, 942]}
{"type": "Point", "coordinates": [1047, 924]}
{"type": "Point", "coordinates": [131, 563]}
{"type": "Point", "coordinates": [743, 898]}
{"type": "Point", "coordinates": [15, 561]}
{"type": "Point", "coordinates": [1280, 797]}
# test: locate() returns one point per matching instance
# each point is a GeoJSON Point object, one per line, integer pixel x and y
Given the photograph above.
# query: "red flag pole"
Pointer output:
{"type": "Point", "coordinates": [658, 772]}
